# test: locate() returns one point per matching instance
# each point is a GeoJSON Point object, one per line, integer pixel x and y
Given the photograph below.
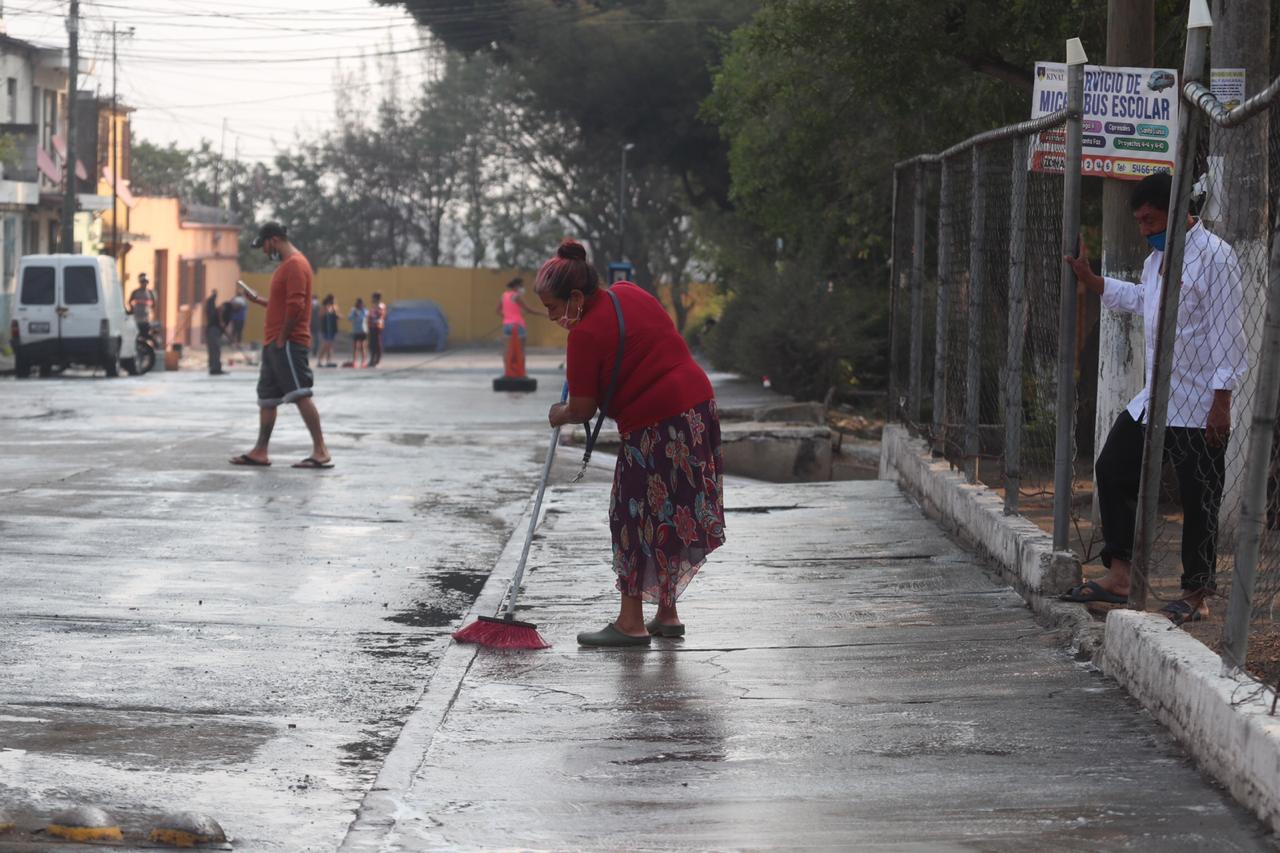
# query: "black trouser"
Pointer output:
{"type": "Point", "coordinates": [213, 342]}
{"type": "Point", "coordinates": [375, 346]}
{"type": "Point", "coordinates": [1200, 474]}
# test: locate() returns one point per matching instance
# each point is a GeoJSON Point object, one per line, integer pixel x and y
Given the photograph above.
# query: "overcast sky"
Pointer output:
{"type": "Point", "coordinates": [269, 68]}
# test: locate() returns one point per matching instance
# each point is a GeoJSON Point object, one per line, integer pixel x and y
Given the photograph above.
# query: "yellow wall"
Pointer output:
{"type": "Point", "coordinates": [468, 297]}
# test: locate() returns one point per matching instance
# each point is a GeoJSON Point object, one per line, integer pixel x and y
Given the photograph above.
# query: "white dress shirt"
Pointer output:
{"type": "Point", "coordinates": [1209, 351]}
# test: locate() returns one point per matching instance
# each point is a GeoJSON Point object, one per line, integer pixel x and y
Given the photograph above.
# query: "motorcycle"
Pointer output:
{"type": "Point", "coordinates": [149, 343]}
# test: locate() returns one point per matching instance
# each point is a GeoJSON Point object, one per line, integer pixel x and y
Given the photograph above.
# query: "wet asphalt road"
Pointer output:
{"type": "Point", "coordinates": [177, 633]}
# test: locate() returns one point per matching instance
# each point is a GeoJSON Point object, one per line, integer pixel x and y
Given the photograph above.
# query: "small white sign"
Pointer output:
{"type": "Point", "coordinates": [1227, 85]}
{"type": "Point", "coordinates": [1130, 127]}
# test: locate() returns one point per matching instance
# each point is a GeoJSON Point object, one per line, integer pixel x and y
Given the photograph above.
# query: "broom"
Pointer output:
{"type": "Point", "coordinates": [505, 631]}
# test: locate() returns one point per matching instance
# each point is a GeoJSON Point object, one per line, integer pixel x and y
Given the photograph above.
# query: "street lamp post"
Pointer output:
{"type": "Point", "coordinates": [622, 203]}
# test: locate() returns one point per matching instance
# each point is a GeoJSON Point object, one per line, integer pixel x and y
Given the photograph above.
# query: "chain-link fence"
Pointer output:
{"type": "Point", "coordinates": [989, 321]}
{"type": "Point", "coordinates": [984, 277]}
{"type": "Point", "coordinates": [1210, 532]}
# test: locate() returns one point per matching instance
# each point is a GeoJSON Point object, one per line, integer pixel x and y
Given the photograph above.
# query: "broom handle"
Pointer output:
{"type": "Point", "coordinates": [533, 520]}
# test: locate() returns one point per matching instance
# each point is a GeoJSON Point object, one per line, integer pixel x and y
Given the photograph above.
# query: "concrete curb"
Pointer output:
{"type": "Point", "coordinates": [380, 807]}
{"type": "Point", "coordinates": [1022, 551]}
{"type": "Point", "coordinates": [1221, 720]}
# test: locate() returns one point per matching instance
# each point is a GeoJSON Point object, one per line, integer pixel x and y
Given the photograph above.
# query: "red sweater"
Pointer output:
{"type": "Point", "coordinates": [659, 378]}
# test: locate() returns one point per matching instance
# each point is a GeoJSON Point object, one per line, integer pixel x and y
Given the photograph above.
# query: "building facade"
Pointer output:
{"type": "Point", "coordinates": [187, 251]}
{"type": "Point", "coordinates": [33, 152]}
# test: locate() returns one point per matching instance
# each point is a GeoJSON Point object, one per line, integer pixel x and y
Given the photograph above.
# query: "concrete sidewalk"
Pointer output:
{"type": "Point", "coordinates": [851, 679]}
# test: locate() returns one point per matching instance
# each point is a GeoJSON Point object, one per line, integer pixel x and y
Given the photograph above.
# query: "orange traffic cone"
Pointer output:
{"type": "Point", "coordinates": [514, 377]}
{"type": "Point", "coordinates": [513, 358]}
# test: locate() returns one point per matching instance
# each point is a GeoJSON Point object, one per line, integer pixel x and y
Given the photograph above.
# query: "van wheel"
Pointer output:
{"type": "Point", "coordinates": [21, 367]}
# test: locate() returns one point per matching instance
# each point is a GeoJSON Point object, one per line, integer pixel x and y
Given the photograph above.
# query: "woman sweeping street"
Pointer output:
{"type": "Point", "coordinates": [666, 512]}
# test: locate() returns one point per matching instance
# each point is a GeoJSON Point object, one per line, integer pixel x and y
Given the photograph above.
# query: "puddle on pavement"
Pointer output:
{"type": "Point", "coordinates": [47, 414]}
{"type": "Point", "coordinates": [368, 752]}
{"type": "Point", "coordinates": [390, 647]}
{"type": "Point", "coordinates": [424, 615]}
{"type": "Point", "coordinates": [665, 757]}
{"type": "Point", "coordinates": [467, 583]}
{"type": "Point", "coordinates": [147, 740]}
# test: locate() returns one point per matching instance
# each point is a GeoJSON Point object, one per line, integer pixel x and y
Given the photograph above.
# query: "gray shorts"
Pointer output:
{"type": "Point", "coordinates": [285, 376]}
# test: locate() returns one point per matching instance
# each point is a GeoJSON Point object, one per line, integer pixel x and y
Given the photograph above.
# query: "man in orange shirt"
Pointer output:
{"type": "Point", "coordinates": [285, 376]}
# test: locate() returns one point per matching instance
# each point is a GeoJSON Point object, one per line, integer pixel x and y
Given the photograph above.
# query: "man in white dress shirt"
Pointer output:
{"type": "Point", "coordinates": [1209, 360]}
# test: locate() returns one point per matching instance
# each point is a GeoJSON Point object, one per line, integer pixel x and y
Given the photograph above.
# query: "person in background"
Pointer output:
{"type": "Point", "coordinates": [511, 308]}
{"type": "Point", "coordinates": [238, 317]}
{"type": "Point", "coordinates": [214, 329]}
{"type": "Point", "coordinates": [377, 322]}
{"type": "Point", "coordinates": [328, 331]}
{"type": "Point", "coordinates": [142, 303]}
{"type": "Point", "coordinates": [1210, 359]}
{"type": "Point", "coordinates": [285, 376]}
{"type": "Point", "coordinates": [359, 323]}
{"type": "Point", "coordinates": [316, 312]}
{"type": "Point", "coordinates": [226, 315]}
{"type": "Point", "coordinates": [666, 512]}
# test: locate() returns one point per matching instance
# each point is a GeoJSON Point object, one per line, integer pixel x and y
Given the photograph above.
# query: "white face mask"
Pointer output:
{"type": "Point", "coordinates": [568, 322]}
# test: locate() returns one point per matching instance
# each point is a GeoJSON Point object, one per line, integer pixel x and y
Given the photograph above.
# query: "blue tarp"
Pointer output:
{"type": "Point", "coordinates": [418, 325]}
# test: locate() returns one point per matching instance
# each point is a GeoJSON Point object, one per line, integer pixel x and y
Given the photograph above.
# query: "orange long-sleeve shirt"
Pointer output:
{"type": "Point", "coordinates": [290, 297]}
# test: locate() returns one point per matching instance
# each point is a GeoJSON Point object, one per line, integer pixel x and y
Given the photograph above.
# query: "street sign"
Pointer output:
{"type": "Point", "coordinates": [1130, 127]}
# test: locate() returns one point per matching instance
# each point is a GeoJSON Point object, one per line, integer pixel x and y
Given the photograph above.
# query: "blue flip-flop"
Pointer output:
{"type": "Point", "coordinates": [1092, 591]}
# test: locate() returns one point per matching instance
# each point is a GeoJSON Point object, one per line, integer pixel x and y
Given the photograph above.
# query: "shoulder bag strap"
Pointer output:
{"type": "Point", "coordinates": [594, 433]}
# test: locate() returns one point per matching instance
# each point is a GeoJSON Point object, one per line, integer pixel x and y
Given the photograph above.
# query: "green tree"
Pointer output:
{"type": "Point", "coordinates": [817, 99]}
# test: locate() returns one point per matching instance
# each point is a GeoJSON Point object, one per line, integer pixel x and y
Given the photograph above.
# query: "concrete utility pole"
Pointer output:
{"type": "Point", "coordinates": [1131, 26]}
{"type": "Point", "coordinates": [1236, 208]}
{"type": "Point", "coordinates": [69, 191]}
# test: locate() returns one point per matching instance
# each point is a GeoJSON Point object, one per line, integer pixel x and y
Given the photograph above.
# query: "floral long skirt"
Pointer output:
{"type": "Point", "coordinates": [667, 508]}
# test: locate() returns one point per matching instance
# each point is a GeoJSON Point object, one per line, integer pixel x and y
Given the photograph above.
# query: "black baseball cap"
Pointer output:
{"type": "Point", "coordinates": [267, 231]}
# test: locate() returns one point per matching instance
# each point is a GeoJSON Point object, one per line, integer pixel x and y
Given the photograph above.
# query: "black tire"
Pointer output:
{"type": "Point", "coordinates": [111, 361]}
{"type": "Point", "coordinates": [21, 367]}
{"type": "Point", "coordinates": [146, 358]}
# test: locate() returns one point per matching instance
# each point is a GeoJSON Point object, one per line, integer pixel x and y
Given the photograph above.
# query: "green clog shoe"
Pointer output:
{"type": "Point", "coordinates": [657, 629]}
{"type": "Point", "coordinates": [610, 636]}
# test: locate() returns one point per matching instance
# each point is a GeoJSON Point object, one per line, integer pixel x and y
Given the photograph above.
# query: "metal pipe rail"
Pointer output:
{"type": "Point", "coordinates": [1199, 96]}
{"type": "Point", "coordinates": [1009, 131]}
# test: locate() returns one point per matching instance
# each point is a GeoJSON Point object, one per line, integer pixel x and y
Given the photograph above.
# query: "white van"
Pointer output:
{"type": "Point", "coordinates": [69, 309]}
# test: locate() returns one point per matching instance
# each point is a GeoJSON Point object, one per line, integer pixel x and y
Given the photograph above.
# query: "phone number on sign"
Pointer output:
{"type": "Point", "coordinates": [1117, 167]}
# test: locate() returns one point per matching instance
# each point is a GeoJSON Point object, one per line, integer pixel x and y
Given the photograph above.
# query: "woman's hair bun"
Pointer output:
{"type": "Point", "coordinates": [571, 250]}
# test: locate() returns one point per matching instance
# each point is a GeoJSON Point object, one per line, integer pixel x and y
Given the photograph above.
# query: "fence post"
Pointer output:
{"type": "Point", "coordinates": [917, 298]}
{"type": "Point", "coordinates": [1063, 456]}
{"type": "Point", "coordinates": [1253, 510]}
{"type": "Point", "coordinates": [943, 312]}
{"type": "Point", "coordinates": [977, 279]}
{"type": "Point", "coordinates": [891, 413]}
{"type": "Point", "coordinates": [1017, 327]}
{"type": "Point", "coordinates": [1198, 24]}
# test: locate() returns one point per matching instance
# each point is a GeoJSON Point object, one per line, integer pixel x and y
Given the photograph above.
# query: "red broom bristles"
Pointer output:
{"type": "Point", "coordinates": [501, 634]}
